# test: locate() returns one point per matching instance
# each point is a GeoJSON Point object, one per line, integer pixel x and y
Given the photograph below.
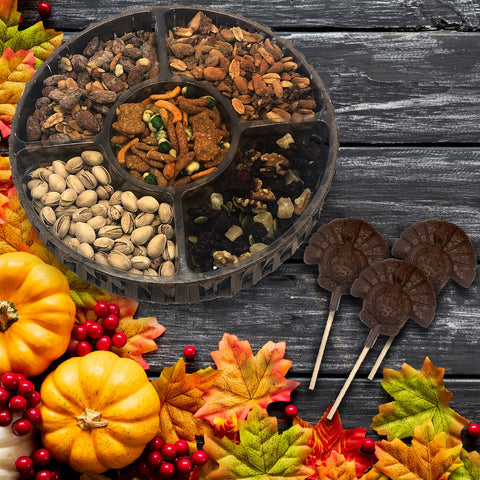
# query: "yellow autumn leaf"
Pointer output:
{"type": "Point", "coordinates": [337, 468]}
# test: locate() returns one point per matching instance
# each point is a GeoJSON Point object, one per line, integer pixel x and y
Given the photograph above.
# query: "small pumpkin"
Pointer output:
{"type": "Point", "coordinates": [11, 447]}
{"type": "Point", "coordinates": [98, 412]}
{"type": "Point", "coordinates": [36, 314]}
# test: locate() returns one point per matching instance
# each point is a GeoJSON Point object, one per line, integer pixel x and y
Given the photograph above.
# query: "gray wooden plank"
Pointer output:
{"type": "Point", "coordinates": [284, 14]}
{"type": "Point", "coordinates": [399, 87]}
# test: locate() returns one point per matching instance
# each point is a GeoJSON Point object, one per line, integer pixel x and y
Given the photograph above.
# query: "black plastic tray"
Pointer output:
{"type": "Point", "coordinates": [185, 285]}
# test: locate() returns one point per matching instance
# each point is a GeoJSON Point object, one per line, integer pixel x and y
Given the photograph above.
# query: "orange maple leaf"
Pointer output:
{"type": "Point", "coordinates": [329, 436]}
{"type": "Point", "coordinates": [227, 428]}
{"type": "Point", "coordinates": [246, 380]}
{"type": "Point", "coordinates": [5, 174]}
{"type": "Point", "coordinates": [428, 458]}
{"type": "Point", "coordinates": [141, 334]}
{"type": "Point", "coordinates": [337, 468]}
{"type": "Point", "coordinates": [180, 396]}
{"type": "Point", "coordinates": [16, 69]}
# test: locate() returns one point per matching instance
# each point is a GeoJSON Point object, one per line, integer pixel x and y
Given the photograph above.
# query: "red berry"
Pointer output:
{"type": "Point", "coordinates": [155, 445]}
{"type": "Point", "coordinates": [368, 445]}
{"type": "Point", "coordinates": [22, 427]}
{"type": "Point", "coordinates": [154, 459]}
{"type": "Point", "coordinates": [9, 380]}
{"type": "Point", "coordinates": [24, 464]}
{"type": "Point", "coordinates": [20, 21]}
{"type": "Point", "coordinates": [4, 396]}
{"type": "Point", "coordinates": [111, 322]}
{"type": "Point", "coordinates": [291, 411]}
{"type": "Point", "coordinates": [199, 458]}
{"type": "Point", "coordinates": [184, 465]}
{"type": "Point", "coordinates": [41, 457]}
{"type": "Point", "coordinates": [114, 309]}
{"type": "Point", "coordinates": [44, 8]}
{"type": "Point", "coordinates": [79, 332]}
{"type": "Point", "coordinates": [166, 470]}
{"type": "Point", "coordinates": [87, 323]}
{"type": "Point", "coordinates": [56, 474]}
{"type": "Point", "coordinates": [44, 475]}
{"type": "Point", "coordinates": [17, 404]}
{"type": "Point", "coordinates": [473, 429]}
{"type": "Point", "coordinates": [103, 343]}
{"type": "Point", "coordinates": [83, 348]}
{"type": "Point", "coordinates": [101, 308]}
{"type": "Point", "coordinates": [142, 469]}
{"type": "Point", "coordinates": [26, 388]}
{"type": "Point", "coordinates": [189, 352]}
{"type": "Point", "coordinates": [119, 340]}
{"type": "Point", "coordinates": [34, 415]}
{"type": "Point", "coordinates": [21, 377]}
{"type": "Point", "coordinates": [182, 447]}
{"type": "Point", "coordinates": [169, 451]}
{"type": "Point", "coordinates": [34, 399]}
{"type": "Point", "coordinates": [5, 418]}
{"type": "Point", "coordinates": [95, 330]}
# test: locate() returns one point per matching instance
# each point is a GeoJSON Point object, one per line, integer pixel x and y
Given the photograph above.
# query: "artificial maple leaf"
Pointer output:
{"type": "Point", "coordinates": [16, 69]}
{"type": "Point", "coordinates": [336, 467]}
{"type": "Point", "coordinates": [227, 428]}
{"type": "Point", "coordinates": [263, 453]}
{"type": "Point", "coordinates": [246, 380]}
{"type": "Point", "coordinates": [17, 232]}
{"type": "Point", "coordinates": [141, 334]}
{"type": "Point", "coordinates": [418, 395]}
{"type": "Point", "coordinates": [470, 469]}
{"type": "Point", "coordinates": [180, 396]}
{"type": "Point", "coordinates": [42, 41]}
{"type": "Point", "coordinates": [85, 295]}
{"type": "Point", "coordinates": [5, 174]}
{"type": "Point", "coordinates": [329, 436]}
{"type": "Point", "coordinates": [374, 474]}
{"type": "Point", "coordinates": [428, 458]}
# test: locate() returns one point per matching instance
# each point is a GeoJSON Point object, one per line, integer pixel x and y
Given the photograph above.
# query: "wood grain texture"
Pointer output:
{"type": "Point", "coordinates": [290, 14]}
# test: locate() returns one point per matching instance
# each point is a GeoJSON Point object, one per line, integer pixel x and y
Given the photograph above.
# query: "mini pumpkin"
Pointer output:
{"type": "Point", "coordinates": [11, 447]}
{"type": "Point", "coordinates": [98, 412]}
{"type": "Point", "coordinates": [36, 314]}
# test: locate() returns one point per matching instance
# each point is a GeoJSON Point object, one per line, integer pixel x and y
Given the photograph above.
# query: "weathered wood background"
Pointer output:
{"type": "Point", "coordinates": [404, 77]}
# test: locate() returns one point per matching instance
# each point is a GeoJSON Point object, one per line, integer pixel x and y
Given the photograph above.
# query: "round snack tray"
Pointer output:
{"type": "Point", "coordinates": [186, 284]}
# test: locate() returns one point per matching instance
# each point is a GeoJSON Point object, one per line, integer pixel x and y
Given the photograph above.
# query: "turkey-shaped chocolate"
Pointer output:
{"type": "Point", "coordinates": [342, 249]}
{"type": "Point", "coordinates": [393, 291]}
{"type": "Point", "coordinates": [441, 249]}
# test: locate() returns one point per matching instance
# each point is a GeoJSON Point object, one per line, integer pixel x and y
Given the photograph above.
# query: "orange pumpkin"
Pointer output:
{"type": "Point", "coordinates": [36, 314]}
{"type": "Point", "coordinates": [98, 412]}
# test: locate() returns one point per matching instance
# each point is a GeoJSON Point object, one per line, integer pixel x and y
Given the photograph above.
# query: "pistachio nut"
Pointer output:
{"type": "Point", "coordinates": [115, 198]}
{"type": "Point", "coordinates": [92, 157]}
{"type": "Point", "coordinates": [48, 216]}
{"type": "Point", "coordinates": [140, 262]}
{"type": "Point", "coordinates": [51, 199]}
{"type": "Point", "coordinates": [148, 204]}
{"type": "Point", "coordinates": [119, 260]}
{"type": "Point", "coordinates": [88, 198]}
{"type": "Point", "coordinates": [170, 251]}
{"type": "Point", "coordinates": [167, 230]}
{"type": "Point", "coordinates": [39, 190]}
{"type": "Point", "coordinates": [101, 258]}
{"type": "Point", "coordinates": [123, 245]}
{"type": "Point", "coordinates": [136, 271]}
{"type": "Point", "coordinates": [74, 165]}
{"type": "Point", "coordinates": [103, 244]}
{"type": "Point", "coordinates": [31, 184]}
{"type": "Point", "coordinates": [165, 212]}
{"type": "Point", "coordinates": [84, 232]}
{"type": "Point", "coordinates": [101, 174]}
{"type": "Point", "coordinates": [142, 235]}
{"type": "Point", "coordinates": [156, 245]}
{"type": "Point", "coordinates": [150, 272]}
{"type": "Point", "coordinates": [71, 242]}
{"type": "Point", "coordinates": [75, 183]}
{"type": "Point", "coordinates": [129, 201]}
{"type": "Point", "coordinates": [68, 197]}
{"type": "Point", "coordinates": [87, 178]}
{"type": "Point", "coordinates": [86, 250]}
{"type": "Point", "coordinates": [97, 222]}
{"type": "Point", "coordinates": [58, 168]}
{"type": "Point", "coordinates": [111, 231]}
{"type": "Point", "coordinates": [143, 219]}
{"type": "Point", "coordinates": [127, 222]}
{"type": "Point", "coordinates": [140, 250]}
{"type": "Point", "coordinates": [115, 212]}
{"type": "Point", "coordinates": [167, 268]}
{"type": "Point", "coordinates": [61, 226]}
{"type": "Point", "coordinates": [82, 215]}
{"type": "Point", "coordinates": [99, 209]}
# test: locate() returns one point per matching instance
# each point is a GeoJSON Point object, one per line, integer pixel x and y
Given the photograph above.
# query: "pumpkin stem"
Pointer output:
{"type": "Point", "coordinates": [91, 419]}
{"type": "Point", "coordinates": [8, 315]}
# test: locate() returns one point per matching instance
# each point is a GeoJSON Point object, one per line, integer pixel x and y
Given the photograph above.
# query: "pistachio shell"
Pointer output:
{"type": "Point", "coordinates": [56, 183]}
{"type": "Point", "coordinates": [124, 246]}
{"type": "Point", "coordinates": [82, 215]}
{"type": "Point", "coordinates": [68, 197]}
{"type": "Point", "coordinates": [39, 191]}
{"type": "Point", "coordinates": [143, 219]}
{"type": "Point", "coordinates": [127, 222]}
{"type": "Point", "coordinates": [111, 231]}
{"type": "Point", "coordinates": [165, 212]}
{"type": "Point", "coordinates": [167, 230]}
{"type": "Point", "coordinates": [99, 209]}
{"type": "Point", "coordinates": [88, 179]}
{"type": "Point", "coordinates": [115, 212]}
{"type": "Point", "coordinates": [119, 260]}
{"type": "Point", "coordinates": [148, 204]}
{"type": "Point", "coordinates": [48, 216]}
{"type": "Point", "coordinates": [34, 183]}
{"type": "Point", "coordinates": [170, 251]}
{"type": "Point", "coordinates": [84, 232]}
{"type": "Point", "coordinates": [61, 226]}
{"type": "Point", "coordinates": [129, 201]}
{"type": "Point", "coordinates": [59, 168]}
{"type": "Point", "coordinates": [101, 258]}
{"type": "Point", "coordinates": [51, 199]}
{"type": "Point", "coordinates": [150, 272]}
{"type": "Point", "coordinates": [92, 157]}
{"type": "Point", "coordinates": [101, 174]}
{"type": "Point", "coordinates": [86, 250]}
{"type": "Point", "coordinates": [167, 269]}
{"type": "Point", "coordinates": [74, 165]}
{"type": "Point", "coordinates": [88, 198]}
{"type": "Point", "coordinates": [97, 222]}
{"type": "Point", "coordinates": [75, 183]}
{"type": "Point", "coordinates": [115, 198]}
{"type": "Point", "coordinates": [156, 245]}
{"type": "Point", "coordinates": [142, 235]}
{"type": "Point", "coordinates": [140, 262]}
{"type": "Point", "coordinates": [103, 244]}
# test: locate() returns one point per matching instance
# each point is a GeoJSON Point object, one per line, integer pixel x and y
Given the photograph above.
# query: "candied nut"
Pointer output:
{"type": "Point", "coordinates": [222, 258]}
{"type": "Point", "coordinates": [238, 106]}
{"type": "Point", "coordinates": [177, 64]}
{"type": "Point", "coordinates": [302, 201]}
{"type": "Point", "coordinates": [213, 74]}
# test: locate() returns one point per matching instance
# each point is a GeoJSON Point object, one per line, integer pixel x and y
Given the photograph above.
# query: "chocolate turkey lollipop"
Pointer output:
{"type": "Point", "coordinates": [342, 249]}
{"type": "Point", "coordinates": [443, 251]}
{"type": "Point", "coordinates": [393, 291]}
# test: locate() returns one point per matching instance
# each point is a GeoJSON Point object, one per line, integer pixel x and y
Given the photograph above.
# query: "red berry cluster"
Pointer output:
{"type": "Point", "coordinates": [18, 396]}
{"type": "Point", "coordinates": [168, 460]}
{"type": "Point", "coordinates": [99, 335]}
{"type": "Point", "coordinates": [35, 465]}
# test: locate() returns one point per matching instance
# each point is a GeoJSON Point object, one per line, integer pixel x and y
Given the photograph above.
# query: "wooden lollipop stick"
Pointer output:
{"type": "Point", "coordinates": [321, 350]}
{"type": "Point", "coordinates": [380, 357]}
{"type": "Point", "coordinates": [343, 391]}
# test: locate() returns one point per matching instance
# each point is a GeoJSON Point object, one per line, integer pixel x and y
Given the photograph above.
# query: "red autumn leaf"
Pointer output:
{"type": "Point", "coordinates": [328, 436]}
{"type": "Point", "coordinates": [246, 380]}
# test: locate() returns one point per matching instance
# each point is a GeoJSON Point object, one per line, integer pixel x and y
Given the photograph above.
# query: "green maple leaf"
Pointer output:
{"type": "Point", "coordinates": [470, 469]}
{"type": "Point", "coordinates": [42, 41]}
{"type": "Point", "coordinates": [84, 294]}
{"type": "Point", "coordinates": [419, 395]}
{"type": "Point", "coordinates": [263, 453]}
